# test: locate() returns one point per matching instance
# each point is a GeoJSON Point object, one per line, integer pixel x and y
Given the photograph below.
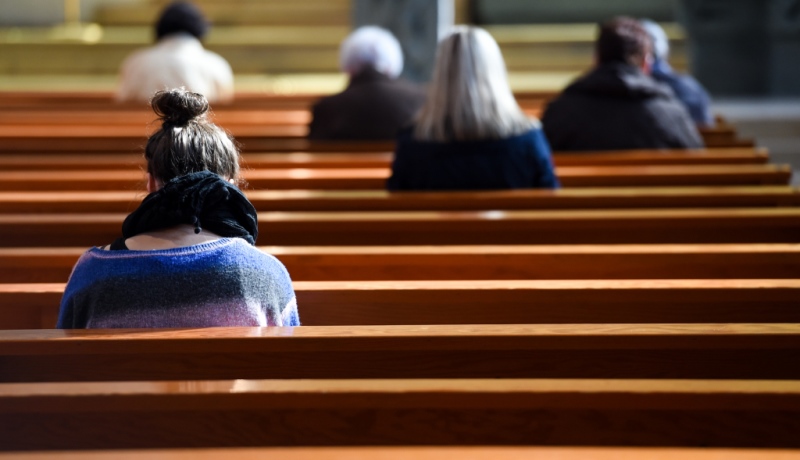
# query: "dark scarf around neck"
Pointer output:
{"type": "Point", "coordinates": [202, 199]}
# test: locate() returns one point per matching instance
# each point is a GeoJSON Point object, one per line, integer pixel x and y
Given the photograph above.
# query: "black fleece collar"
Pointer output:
{"type": "Point", "coordinates": [202, 199]}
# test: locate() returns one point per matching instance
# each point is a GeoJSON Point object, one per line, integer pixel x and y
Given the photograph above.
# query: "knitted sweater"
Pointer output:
{"type": "Point", "coordinates": [226, 282]}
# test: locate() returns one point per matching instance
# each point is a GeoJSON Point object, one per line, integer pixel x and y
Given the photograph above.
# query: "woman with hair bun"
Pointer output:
{"type": "Point", "coordinates": [471, 134]}
{"type": "Point", "coordinates": [186, 257]}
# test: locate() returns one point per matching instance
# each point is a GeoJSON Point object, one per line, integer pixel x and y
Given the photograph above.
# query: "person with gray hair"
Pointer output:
{"type": "Point", "coordinates": [688, 90]}
{"type": "Point", "coordinates": [375, 104]}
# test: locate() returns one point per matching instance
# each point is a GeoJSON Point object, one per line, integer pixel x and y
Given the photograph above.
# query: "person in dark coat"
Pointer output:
{"type": "Point", "coordinates": [688, 90]}
{"type": "Point", "coordinates": [471, 134]}
{"type": "Point", "coordinates": [617, 105]}
{"type": "Point", "coordinates": [376, 103]}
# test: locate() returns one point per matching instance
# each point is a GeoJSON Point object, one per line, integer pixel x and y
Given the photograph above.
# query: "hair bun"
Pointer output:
{"type": "Point", "coordinates": [178, 107]}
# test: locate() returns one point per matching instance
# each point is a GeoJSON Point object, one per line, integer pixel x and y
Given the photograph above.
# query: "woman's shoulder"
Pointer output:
{"type": "Point", "coordinates": [406, 133]}
{"type": "Point", "coordinates": [257, 258]}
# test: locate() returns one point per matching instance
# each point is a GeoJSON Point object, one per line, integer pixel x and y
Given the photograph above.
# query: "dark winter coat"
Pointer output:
{"type": "Point", "coordinates": [372, 107]}
{"type": "Point", "coordinates": [617, 107]}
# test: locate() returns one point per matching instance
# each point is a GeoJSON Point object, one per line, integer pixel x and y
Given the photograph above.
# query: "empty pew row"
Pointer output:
{"type": "Point", "coordinates": [143, 117]}
{"type": "Point", "coordinates": [253, 160]}
{"type": "Point", "coordinates": [253, 137]}
{"type": "Point", "coordinates": [375, 178]}
{"type": "Point", "coordinates": [619, 226]}
{"type": "Point", "coordinates": [230, 116]}
{"type": "Point", "coordinates": [343, 303]}
{"type": "Point", "coordinates": [131, 139]}
{"type": "Point", "coordinates": [509, 262]}
{"type": "Point", "coordinates": [240, 122]}
{"type": "Point", "coordinates": [266, 138]}
{"type": "Point", "coordinates": [82, 142]}
{"type": "Point", "coordinates": [629, 351]}
{"type": "Point", "coordinates": [329, 412]}
{"type": "Point", "coordinates": [26, 202]}
{"type": "Point", "coordinates": [417, 452]}
{"type": "Point", "coordinates": [93, 101]}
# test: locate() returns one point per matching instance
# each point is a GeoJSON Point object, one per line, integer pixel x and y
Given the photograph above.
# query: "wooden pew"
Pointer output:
{"type": "Point", "coordinates": [93, 100]}
{"type": "Point", "coordinates": [77, 161]}
{"type": "Point", "coordinates": [405, 412]}
{"type": "Point", "coordinates": [142, 116]}
{"type": "Point", "coordinates": [418, 453]}
{"type": "Point", "coordinates": [254, 137]}
{"type": "Point", "coordinates": [662, 351]}
{"type": "Point", "coordinates": [85, 138]}
{"type": "Point", "coordinates": [338, 303]}
{"type": "Point", "coordinates": [723, 135]}
{"type": "Point", "coordinates": [379, 200]}
{"type": "Point", "coordinates": [707, 225]}
{"type": "Point", "coordinates": [510, 262]}
{"type": "Point", "coordinates": [375, 178]}
{"type": "Point", "coordinates": [240, 119]}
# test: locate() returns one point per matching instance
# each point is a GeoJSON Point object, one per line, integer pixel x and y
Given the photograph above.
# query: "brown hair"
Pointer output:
{"type": "Point", "coordinates": [187, 141]}
{"type": "Point", "coordinates": [624, 40]}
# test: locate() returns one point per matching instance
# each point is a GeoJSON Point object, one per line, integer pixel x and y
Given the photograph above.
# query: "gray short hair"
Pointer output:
{"type": "Point", "coordinates": [374, 47]}
{"type": "Point", "coordinates": [658, 37]}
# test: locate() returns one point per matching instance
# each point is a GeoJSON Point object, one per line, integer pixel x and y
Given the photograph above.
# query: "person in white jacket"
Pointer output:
{"type": "Point", "coordinates": [178, 59]}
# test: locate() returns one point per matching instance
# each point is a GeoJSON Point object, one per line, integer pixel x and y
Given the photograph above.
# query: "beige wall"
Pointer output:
{"type": "Point", "coordinates": [44, 12]}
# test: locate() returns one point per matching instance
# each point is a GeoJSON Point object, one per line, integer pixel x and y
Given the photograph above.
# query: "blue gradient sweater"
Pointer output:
{"type": "Point", "coordinates": [226, 282]}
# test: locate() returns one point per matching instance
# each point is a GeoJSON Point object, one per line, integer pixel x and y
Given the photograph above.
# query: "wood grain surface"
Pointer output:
{"type": "Point", "coordinates": [400, 412]}
{"type": "Point", "coordinates": [342, 303]}
{"type": "Point", "coordinates": [717, 351]}
{"type": "Point", "coordinates": [43, 161]}
{"type": "Point", "coordinates": [620, 226]}
{"type": "Point", "coordinates": [419, 453]}
{"type": "Point", "coordinates": [37, 202]}
{"type": "Point", "coordinates": [490, 262]}
{"type": "Point", "coordinates": [375, 178]}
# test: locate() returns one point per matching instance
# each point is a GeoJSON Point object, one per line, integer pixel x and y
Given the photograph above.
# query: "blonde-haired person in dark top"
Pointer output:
{"type": "Point", "coordinates": [471, 134]}
{"type": "Point", "coordinates": [186, 257]}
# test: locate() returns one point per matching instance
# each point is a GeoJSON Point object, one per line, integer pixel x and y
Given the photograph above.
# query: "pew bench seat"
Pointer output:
{"type": "Point", "coordinates": [508, 262]}
{"type": "Point", "coordinates": [655, 351]}
{"type": "Point", "coordinates": [343, 303]}
{"type": "Point", "coordinates": [37, 202]}
{"type": "Point", "coordinates": [227, 413]}
{"type": "Point", "coordinates": [418, 453]}
{"type": "Point", "coordinates": [375, 178]}
{"type": "Point", "coordinates": [616, 226]}
{"type": "Point", "coordinates": [33, 161]}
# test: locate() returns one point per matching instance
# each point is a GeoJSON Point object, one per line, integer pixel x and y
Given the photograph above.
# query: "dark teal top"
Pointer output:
{"type": "Point", "coordinates": [521, 161]}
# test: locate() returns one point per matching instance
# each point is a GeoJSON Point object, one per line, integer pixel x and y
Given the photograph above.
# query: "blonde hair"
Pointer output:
{"type": "Point", "coordinates": [469, 97]}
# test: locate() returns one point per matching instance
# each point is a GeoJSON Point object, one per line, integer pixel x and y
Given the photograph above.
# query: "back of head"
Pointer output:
{"type": "Point", "coordinates": [182, 17]}
{"type": "Point", "coordinates": [658, 38]}
{"type": "Point", "coordinates": [622, 40]}
{"type": "Point", "coordinates": [371, 47]}
{"type": "Point", "coordinates": [469, 97]}
{"type": "Point", "coordinates": [187, 142]}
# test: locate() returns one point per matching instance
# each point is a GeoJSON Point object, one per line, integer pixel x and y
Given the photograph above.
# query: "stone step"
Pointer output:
{"type": "Point", "coordinates": [248, 12]}
{"type": "Point", "coordinates": [280, 50]}
{"type": "Point", "coordinates": [317, 12]}
{"type": "Point", "coordinates": [303, 83]}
